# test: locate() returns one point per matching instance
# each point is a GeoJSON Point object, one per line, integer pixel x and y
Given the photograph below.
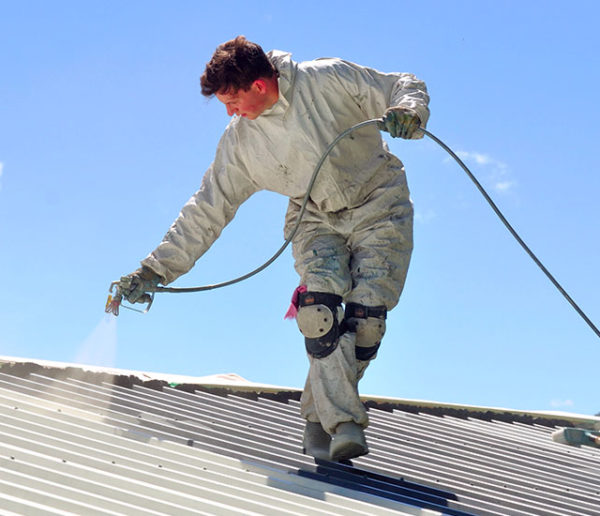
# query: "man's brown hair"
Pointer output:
{"type": "Point", "coordinates": [235, 65]}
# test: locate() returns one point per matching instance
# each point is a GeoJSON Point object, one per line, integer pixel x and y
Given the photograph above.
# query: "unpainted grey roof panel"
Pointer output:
{"type": "Point", "coordinates": [84, 444]}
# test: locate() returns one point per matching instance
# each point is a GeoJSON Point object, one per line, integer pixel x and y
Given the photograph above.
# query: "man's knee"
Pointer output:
{"type": "Point", "coordinates": [319, 320]}
{"type": "Point", "coordinates": [368, 322]}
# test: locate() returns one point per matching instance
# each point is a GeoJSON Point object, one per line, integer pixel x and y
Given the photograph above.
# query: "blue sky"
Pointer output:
{"type": "Point", "coordinates": [104, 136]}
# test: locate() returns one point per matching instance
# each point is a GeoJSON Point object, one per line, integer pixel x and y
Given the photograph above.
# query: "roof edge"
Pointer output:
{"type": "Point", "coordinates": [540, 417]}
{"type": "Point", "coordinates": [230, 383]}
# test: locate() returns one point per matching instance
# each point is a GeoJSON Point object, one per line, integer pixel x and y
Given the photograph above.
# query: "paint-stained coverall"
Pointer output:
{"type": "Point", "coordinates": [355, 239]}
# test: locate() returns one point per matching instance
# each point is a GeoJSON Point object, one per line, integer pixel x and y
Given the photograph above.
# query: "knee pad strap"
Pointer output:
{"type": "Point", "coordinates": [366, 353]}
{"type": "Point", "coordinates": [356, 310]}
{"type": "Point", "coordinates": [319, 322]}
{"type": "Point", "coordinates": [368, 322]}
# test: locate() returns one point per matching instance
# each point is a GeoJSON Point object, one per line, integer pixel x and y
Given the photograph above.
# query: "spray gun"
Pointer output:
{"type": "Point", "coordinates": [115, 301]}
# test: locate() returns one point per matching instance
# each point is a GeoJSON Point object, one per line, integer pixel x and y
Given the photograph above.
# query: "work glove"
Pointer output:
{"type": "Point", "coordinates": [400, 122]}
{"type": "Point", "coordinates": [140, 282]}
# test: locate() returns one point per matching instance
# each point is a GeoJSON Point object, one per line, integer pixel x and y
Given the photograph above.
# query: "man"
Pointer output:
{"type": "Point", "coordinates": [355, 238]}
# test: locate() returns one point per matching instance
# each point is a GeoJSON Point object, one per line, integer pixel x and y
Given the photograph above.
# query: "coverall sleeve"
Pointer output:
{"type": "Point", "coordinates": [376, 91]}
{"type": "Point", "coordinates": [225, 186]}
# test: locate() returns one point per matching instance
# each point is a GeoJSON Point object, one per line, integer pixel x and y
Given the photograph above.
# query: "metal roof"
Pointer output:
{"type": "Point", "coordinates": [80, 442]}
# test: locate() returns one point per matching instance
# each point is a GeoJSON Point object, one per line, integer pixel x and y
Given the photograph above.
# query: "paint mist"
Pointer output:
{"type": "Point", "coordinates": [100, 347]}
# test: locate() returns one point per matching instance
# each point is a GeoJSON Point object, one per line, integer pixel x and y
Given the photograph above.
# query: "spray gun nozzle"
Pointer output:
{"type": "Point", "coordinates": [113, 302]}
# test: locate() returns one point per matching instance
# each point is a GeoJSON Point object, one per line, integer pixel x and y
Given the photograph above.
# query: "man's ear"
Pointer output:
{"type": "Point", "coordinates": [260, 85]}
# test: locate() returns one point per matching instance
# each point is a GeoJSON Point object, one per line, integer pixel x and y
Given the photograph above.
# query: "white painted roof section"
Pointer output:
{"type": "Point", "coordinates": [224, 379]}
{"type": "Point", "coordinates": [72, 445]}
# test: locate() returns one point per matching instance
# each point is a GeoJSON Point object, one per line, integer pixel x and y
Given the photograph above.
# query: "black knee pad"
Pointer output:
{"type": "Point", "coordinates": [318, 319]}
{"type": "Point", "coordinates": [368, 322]}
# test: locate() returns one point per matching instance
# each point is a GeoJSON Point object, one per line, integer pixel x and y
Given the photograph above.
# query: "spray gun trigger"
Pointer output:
{"type": "Point", "coordinates": [146, 298]}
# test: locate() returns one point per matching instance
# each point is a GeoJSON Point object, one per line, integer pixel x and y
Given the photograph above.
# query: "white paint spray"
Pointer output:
{"type": "Point", "coordinates": [100, 347]}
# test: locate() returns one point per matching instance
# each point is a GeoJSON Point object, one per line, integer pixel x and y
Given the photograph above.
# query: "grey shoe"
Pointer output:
{"type": "Point", "coordinates": [316, 441]}
{"type": "Point", "coordinates": [348, 442]}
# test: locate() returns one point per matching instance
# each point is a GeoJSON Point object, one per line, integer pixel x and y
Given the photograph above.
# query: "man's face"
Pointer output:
{"type": "Point", "coordinates": [249, 103]}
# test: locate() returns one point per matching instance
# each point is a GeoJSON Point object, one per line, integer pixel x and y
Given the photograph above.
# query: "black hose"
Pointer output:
{"type": "Point", "coordinates": [378, 121]}
{"type": "Point", "coordinates": [514, 233]}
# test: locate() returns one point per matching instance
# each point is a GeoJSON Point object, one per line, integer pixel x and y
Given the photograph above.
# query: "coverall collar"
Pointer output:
{"type": "Point", "coordinates": [285, 66]}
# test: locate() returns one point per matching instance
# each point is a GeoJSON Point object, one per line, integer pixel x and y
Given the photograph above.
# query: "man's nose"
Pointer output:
{"type": "Point", "coordinates": [230, 111]}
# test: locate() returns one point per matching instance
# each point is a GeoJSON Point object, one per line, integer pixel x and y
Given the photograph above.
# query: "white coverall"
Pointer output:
{"type": "Point", "coordinates": [355, 238]}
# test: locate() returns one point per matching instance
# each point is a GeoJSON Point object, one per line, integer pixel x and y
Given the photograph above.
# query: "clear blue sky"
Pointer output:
{"type": "Point", "coordinates": [104, 136]}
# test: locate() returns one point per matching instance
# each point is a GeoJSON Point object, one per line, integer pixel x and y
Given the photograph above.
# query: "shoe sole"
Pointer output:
{"type": "Point", "coordinates": [347, 451]}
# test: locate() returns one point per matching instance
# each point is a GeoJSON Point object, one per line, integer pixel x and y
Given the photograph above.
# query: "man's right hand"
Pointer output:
{"type": "Point", "coordinates": [135, 285]}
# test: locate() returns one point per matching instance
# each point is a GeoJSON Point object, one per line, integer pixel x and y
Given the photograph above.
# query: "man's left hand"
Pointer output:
{"type": "Point", "coordinates": [401, 122]}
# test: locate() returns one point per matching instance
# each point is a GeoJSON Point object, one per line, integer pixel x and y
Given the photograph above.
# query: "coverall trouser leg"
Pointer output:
{"type": "Point", "coordinates": [362, 255]}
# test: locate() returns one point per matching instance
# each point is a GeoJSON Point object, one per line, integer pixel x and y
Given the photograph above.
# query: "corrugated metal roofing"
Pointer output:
{"type": "Point", "coordinates": [85, 443]}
